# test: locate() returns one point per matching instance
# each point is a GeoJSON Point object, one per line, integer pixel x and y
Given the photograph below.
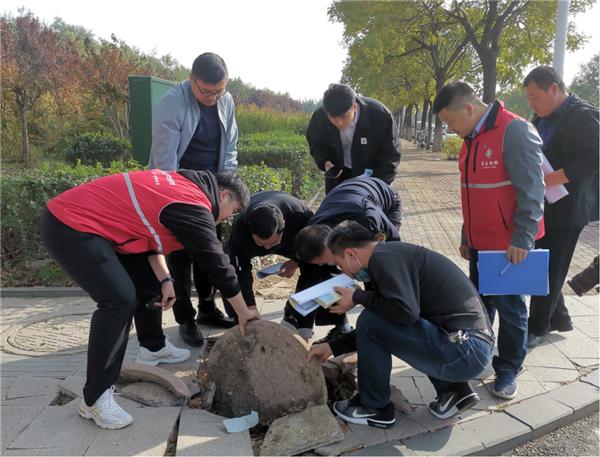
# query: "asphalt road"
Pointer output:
{"type": "Point", "coordinates": [578, 439]}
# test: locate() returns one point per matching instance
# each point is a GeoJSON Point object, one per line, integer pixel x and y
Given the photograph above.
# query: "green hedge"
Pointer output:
{"type": "Point", "coordinates": [24, 196]}
{"type": "Point", "coordinates": [282, 150]}
{"type": "Point", "coordinates": [251, 119]}
{"type": "Point", "coordinates": [93, 148]}
{"type": "Point", "coordinates": [451, 147]}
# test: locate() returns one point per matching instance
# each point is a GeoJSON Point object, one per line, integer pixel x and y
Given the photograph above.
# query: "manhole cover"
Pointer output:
{"type": "Point", "coordinates": [67, 334]}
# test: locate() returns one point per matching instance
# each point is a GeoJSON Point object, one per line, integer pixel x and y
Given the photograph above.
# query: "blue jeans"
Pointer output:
{"type": "Point", "coordinates": [512, 330]}
{"type": "Point", "coordinates": [423, 345]}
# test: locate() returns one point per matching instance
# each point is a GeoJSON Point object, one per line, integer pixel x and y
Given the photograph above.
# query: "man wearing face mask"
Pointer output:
{"type": "Point", "coordinates": [194, 128]}
{"type": "Point", "coordinates": [351, 135]}
{"type": "Point", "coordinates": [268, 226]}
{"type": "Point", "coordinates": [422, 309]}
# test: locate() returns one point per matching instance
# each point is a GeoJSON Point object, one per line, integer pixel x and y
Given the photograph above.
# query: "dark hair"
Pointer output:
{"type": "Point", "coordinates": [230, 181]}
{"type": "Point", "coordinates": [338, 99]}
{"type": "Point", "coordinates": [310, 241]}
{"type": "Point", "coordinates": [543, 77]}
{"type": "Point", "coordinates": [210, 68]}
{"type": "Point", "coordinates": [452, 95]}
{"type": "Point", "coordinates": [348, 234]}
{"type": "Point", "coordinates": [264, 221]}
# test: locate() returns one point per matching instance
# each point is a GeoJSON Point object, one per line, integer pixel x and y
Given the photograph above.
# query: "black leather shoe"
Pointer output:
{"type": "Point", "coordinates": [191, 334]}
{"type": "Point", "coordinates": [562, 326]}
{"type": "Point", "coordinates": [215, 318]}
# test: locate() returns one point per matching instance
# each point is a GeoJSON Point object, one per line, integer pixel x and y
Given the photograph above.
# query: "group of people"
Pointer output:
{"type": "Point", "coordinates": [136, 241]}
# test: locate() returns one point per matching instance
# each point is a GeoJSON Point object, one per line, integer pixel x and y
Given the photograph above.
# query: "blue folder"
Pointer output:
{"type": "Point", "coordinates": [497, 276]}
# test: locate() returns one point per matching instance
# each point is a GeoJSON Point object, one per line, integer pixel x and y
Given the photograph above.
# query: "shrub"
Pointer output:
{"type": "Point", "coordinates": [451, 147]}
{"type": "Point", "coordinates": [251, 119]}
{"type": "Point", "coordinates": [93, 148]}
{"type": "Point", "coordinates": [281, 149]}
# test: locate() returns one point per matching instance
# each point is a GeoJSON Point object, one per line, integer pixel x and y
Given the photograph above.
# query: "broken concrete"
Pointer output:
{"type": "Point", "coordinates": [150, 394]}
{"type": "Point", "coordinates": [265, 371]}
{"type": "Point", "coordinates": [131, 372]}
{"type": "Point", "coordinates": [290, 435]}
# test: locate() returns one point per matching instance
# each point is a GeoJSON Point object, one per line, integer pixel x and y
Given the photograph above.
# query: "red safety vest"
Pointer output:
{"type": "Point", "coordinates": [487, 195]}
{"type": "Point", "coordinates": [125, 208]}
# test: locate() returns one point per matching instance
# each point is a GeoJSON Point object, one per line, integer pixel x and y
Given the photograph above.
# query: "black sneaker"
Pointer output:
{"type": "Point", "coordinates": [216, 318]}
{"type": "Point", "coordinates": [191, 334]}
{"type": "Point", "coordinates": [331, 335]}
{"type": "Point", "coordinates": [352, 411]}
{"type": "Point", "coordinates": [453, 402]}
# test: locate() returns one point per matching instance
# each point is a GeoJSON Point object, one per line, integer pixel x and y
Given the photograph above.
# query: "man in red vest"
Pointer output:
{"type": "Point", "coordinates": [502, 193]}
{"type": "Point", "coordinates": [111, 235]}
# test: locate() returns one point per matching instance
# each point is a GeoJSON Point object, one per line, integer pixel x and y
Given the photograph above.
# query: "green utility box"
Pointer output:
{"type": "Point", "coordinates": [144, 92]}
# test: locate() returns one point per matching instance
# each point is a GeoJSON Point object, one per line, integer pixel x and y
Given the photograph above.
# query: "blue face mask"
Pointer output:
{"type": "Point", "coordinates": [361, 275]}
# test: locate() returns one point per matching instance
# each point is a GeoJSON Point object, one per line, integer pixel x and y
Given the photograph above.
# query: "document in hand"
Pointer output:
{"type": "Point", "coordinates": [305, 301]}
{"type": "Point", "coordinates": [270, 270]}
{"type": "Point", "coordinates": [497, 276]}
{"type": "Point", "coordinates": [552, 193]}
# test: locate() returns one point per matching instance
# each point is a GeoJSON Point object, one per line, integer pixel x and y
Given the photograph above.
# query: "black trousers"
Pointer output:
{"type": "Point", "coordinates": [550, 310]}
{"type": "Point", "coordinates": [120, 285]}
{"type": "Point", "coordinates": [311, 275]}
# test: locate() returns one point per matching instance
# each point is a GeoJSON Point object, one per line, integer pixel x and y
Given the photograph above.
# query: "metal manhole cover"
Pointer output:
{"type": "Point", "coordinates": [67, 334]}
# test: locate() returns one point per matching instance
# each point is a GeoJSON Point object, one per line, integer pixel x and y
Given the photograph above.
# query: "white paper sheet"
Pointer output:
{"type": "Point", "coordinates": [553, 193]}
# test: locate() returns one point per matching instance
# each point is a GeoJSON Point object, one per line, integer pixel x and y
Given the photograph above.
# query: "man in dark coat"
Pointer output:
{"type": "Point", "coordinates": [351, 135]}
{"type": "Point", "coordinates": [569, 129]}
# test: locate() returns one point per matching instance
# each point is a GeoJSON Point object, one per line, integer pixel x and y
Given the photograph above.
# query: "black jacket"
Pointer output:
{"type": "Point", "coordinates": [574, 148]}
{"type": "Point", "coordinates": [195, 228]}
{"type": "Point", "coordinates": [376, 144]}
{"type": "Point", "coordinates": [369, 201]}
{"type": "Point", "coordinates": [241, 247]}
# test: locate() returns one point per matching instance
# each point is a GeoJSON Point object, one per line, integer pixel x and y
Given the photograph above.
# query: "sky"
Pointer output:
{"type": "Point", "coordinates": [283, 45]}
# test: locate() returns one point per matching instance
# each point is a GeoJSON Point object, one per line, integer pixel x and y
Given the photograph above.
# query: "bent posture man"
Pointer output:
{"type": "Point", "coordinates": [422, 309]}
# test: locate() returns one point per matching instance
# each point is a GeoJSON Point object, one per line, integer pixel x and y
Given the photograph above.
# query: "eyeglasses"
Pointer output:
{"type": "Point", "coordinates": [210, 93]}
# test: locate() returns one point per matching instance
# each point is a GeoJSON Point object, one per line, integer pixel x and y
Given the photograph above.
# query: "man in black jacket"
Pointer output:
{"type": "Point", "coordinates": [420, 308]}
{"type": "Point", "coordinates": [368, 201]}
{"type": "Point", "coordinates": [352, 135]}
{"type": "Point", "coordinates": [268, 226]}
{"type": "Point", "coordinates": [569, 129]}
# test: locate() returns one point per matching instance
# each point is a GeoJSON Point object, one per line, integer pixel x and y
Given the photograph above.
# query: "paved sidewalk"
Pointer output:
{"type": "Point", "coordinates": [43, 340]}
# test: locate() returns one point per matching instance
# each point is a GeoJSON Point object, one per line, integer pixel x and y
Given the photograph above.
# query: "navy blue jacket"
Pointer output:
{"type": "Point", "coordinates": [366, 200]}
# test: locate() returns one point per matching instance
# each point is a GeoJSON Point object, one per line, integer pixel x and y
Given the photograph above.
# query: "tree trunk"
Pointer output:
{"type": "Point", "coordinates": [488, 65]}
{"type": "Point", "coordinates": [437, 136]}
{"type": "Point", "coordinates": [424, 114]}
{"type": "Point", "coordinates": [429, 128]}
{"type": "Point", "coordinates": [414, 132]}
{"type": "Point", "coordinates": [24, 135]}
{"type": "Point", "coordinates": [407, 122]}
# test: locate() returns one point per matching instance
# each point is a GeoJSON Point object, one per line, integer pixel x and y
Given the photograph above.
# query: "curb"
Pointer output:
{"type": "Point", "coordinates": [502, 431]}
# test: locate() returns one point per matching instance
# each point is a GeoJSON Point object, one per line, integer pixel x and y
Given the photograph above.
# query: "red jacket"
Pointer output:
{"type": "Point", "coordinates": [125, 208]}
{"type": "Point", "coordinates": [487, 194]}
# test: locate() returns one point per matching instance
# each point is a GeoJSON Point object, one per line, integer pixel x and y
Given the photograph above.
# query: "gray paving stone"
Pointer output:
{"type": "Point", "coordinates": [301, 432]}
{"type": "Point", "coordinates": [58, 427]}
{"type": "Point", "coordinates": [592, 378]}
{"type": "Point", "coordinates": [73, 386]}
{"type": "Point", "coordinates": [587, 325]}
{"type": "Point", "coordinates": [384, 449]}
{"type": "Point", "coordinates": [542, 414]}
{"type": "Point", "coordinates": [29, 401]}
{"type": "Point", "coordinates": [575, 344]}
{"type": "Point", "coordinates": [584, 362]}
{"type": "Point", "coordinates": [403, 428]}
{"type": "Point", "coordinates": [203, 433]}
{"type": "Point", "coordinates": [368, 436]}
{"type": "Point", "coordinates": [426, 390]}
{"type": "Point", "coordinates": [547, 356]}
{"type": "Point", "coordinates": [446, 441]}
{"type": "Point", "coordinates": [497, 433]}
{"type": "Point", "coordinates": [553, 374]}
{"type": "Point", "coordinates": [147, 435]}
{"type": "Point", "coordinates": [349, 443]}
{"type": "Point", "coordinates": [580, 396]}
{"type": "Point", "coordinates": [29, 386]}
{"type": "Point", "coordinates": [408, 387]}
{"type": "Point", "coordinates": [14, 419]}
{"type": "Point", "coordinates": [70, 451]}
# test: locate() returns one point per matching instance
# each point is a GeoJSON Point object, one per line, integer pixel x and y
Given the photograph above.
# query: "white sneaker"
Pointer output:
{"type": "Point", "coordinates": [106, 412]}
{"type": "Point", "coordinates": [168, 354]}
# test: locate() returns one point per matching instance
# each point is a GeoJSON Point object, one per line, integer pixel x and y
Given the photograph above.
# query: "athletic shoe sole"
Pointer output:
{"type": "Point", "coordinates": [153, 363]}
{"type": "Point", "coordinates": [364, 420]}
{"type": "Point", "coordinates": [504, 395]}
{"type": "Point", "coordinates": [90, 415]}
{"type": "Point", "coordinates": [464, 403]}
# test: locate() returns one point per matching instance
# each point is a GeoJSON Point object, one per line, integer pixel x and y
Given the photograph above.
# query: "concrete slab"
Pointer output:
{"type": "Point", "coordinates": [580, 396]}
{"type": "Point", "coordinates": [29, 401]}
{"type": "Point", "coordinates": [73, 386]}
{"type": "Point", "coordinates": [70, 451]}
{"type": "Point", "coordinates": [584, 363]}
{"type": "Point", "coordinates": [147, 435]}
{"type": "Point", "coordinates": [349, 443]}
{"type": "Point", "coordinates": [588, 325]}
{"type": "Point", "coordinates": [384, 449]}
{"type": "Point", "coordinates": [14, 419]}
{"type": "Point", "coordinates": [301, 432]}
{"type": "Point", "coordinates": [408, 387]}
{"type": "Point", "coordinates": [446, 441]}
{"type": "Point", "coordinates": [542, 414]}
{"type": "Point", "coordinates": [58, 427]}
{"type": "Point", "coordinates": [29, 386]}
{"type": "Point", "coordinates": [592, 378]}
{"type": "Point", "coordinates": [497, 433]}
{"type": "Point", "coordinates": [575, 344]}
{"type": "Point", "coordinates": [547, 356]}
{"type": "Point", "coordinates": [553, 374]}
{"type": "Point", "coordinates": [403, 428]}
{"type": "Point", "coordinates": [203, 433]}
{"type": "Point", "coordinates": [426, 390]}
{"type": "Point", "coordinates": [367, 436]}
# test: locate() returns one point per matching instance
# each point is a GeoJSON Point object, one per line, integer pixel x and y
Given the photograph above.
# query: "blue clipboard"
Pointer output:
{"type": "Point", "coordinates": [497, 276]}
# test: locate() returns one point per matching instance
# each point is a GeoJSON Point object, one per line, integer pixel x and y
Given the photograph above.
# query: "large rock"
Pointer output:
{"type": "Point", "coordinates": [265, 371]}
